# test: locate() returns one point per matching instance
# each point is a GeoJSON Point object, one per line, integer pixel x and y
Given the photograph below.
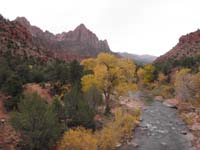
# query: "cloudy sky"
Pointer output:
{"type": "Point", "coordinates": [134, 26]}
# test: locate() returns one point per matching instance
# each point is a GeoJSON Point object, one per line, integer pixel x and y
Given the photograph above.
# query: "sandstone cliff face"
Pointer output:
{"type": "Point", "coordinates": [188, 46]}
{"type": "Point", "coordinates": [17, 40]}
{"type": "Point", "coordinates": [81, 41]}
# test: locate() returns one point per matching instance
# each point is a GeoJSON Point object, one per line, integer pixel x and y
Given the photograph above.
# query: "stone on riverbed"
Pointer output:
{"type": "Point", "coordinates": [158, 98]}
{"type": "Point", "coordinates": [184, 132]}
{"type": "Point", "coordinates": [172, 103]}
{"type": "Point", "coordinates": [196, 127]}
{"type": "Point", "coordinates": [190, 136]}
{"type": "Point", "coordinates": [133, 144]}
{"type": "Point", "coordinates": [118, 145]}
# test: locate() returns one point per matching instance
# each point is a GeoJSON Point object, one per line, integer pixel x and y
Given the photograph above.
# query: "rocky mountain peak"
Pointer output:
{"type": "Point", "coordinates": [1, 17]}
{"type": "Point", "coordinates": [81, 27]}
{"type": "Point", "coordinates": [80, 41]}
{"type": "Point", "coordinates": [23, 21]}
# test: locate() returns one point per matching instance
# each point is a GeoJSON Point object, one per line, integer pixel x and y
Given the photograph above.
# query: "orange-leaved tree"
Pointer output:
{"type": "Point", "coordinates": [109, 74]}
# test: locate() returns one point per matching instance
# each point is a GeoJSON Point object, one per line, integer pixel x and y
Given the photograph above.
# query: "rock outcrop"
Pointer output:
{"type": "Point", "coordinates": [188, 46]}
{"type": "Point", "coordinates": [16, 39]}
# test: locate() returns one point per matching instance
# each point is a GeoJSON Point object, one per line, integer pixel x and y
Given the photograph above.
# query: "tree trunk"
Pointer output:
{"type": "Point", "coordinates": [107, 100]}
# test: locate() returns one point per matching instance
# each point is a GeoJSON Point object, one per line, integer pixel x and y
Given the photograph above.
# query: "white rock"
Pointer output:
{"type": "Point", "coordinates": [118, 145]}
{"type": "Point", "coordinates": [163, 143]}
{"type": "Point", "coordinates": [133, 144]}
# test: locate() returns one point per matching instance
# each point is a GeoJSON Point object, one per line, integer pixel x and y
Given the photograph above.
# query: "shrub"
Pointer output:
{"type": "Point", "coordinates": [108, 137]}
{"type": "Point", "coordinates": [78, 111]}
{"type": "Point", "coordinates": [126, 122]}
{"type": "Point", "coordinates": [36, 122]}
{"type": "Point", "coordinates": [94, 97]}
{"type": "Point", "coordinates": [58, 108]}
{"type": "Point", "coordinates": [162, 78]}
{"type": "Point", "coordinates": [164, 90]}
{"type": "Point", "coordinates": [78, 139]}
{"type": "Point", "coordinates": [146, 74]}
{"type": "Point", "coordinates": [122, 126]}
{"type": "Point", "coordinates": [105, 139]}
{"type": "Point", "coordinates": [187, 85]}
{"type": "Point", "coordinates": [75, 72]}
{"type": "Point", "coordinates": [11, 103]}
{"type": "Point", "coordinates": [36, 74]}
{"type": "Point", "coordinates": [13, 85]}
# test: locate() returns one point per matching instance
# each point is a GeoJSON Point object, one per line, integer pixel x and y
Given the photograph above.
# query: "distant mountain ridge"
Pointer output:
{"type": "Point", "coordinates": [142, 59]}
{"type": "Point", "coordinates": [23, 38]}
{"type": "Point", "coordinates": [188, 46]}
{"type": "Point", "coordinates": [79, 41]}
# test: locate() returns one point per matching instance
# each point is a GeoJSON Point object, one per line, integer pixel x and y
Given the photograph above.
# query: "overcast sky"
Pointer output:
{"type": "Point", "coordinates": [134, 26]}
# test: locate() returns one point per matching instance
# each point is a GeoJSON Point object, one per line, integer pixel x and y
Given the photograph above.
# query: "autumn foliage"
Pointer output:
{"type": "Point", "coordinates": [105, 139]}
{"type": "Point", "coordinates": [109, 74]}
{"type": "Point", "coordinates": [187, 85]}
{"type": "Point", "coordinates": [78, 139]}
{"type": "Point", "coordinates": [146, 74]}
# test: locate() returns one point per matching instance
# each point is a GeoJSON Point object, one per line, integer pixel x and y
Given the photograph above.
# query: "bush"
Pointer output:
{"type": "Point", "coordinates": [122, 126]}
{"type": "Point", "coordinates": [36, 122]}
{"type": "Point", "coordinates": [11, 103]}
{"type": "Point", "coordinates": [36, 75]}
{"type": "Point", "coordinates": [105, 139]}
{"type": "Point", "coordinates": [146, 75]}
{"type": "Point", "coordinates": [187, 85]}
{"type": "Point", "coordinates": [78, 110]}
{"type": "Point", "coordinates": [108, 137]}
{"type": "Point", "coordinates": [164, 90]}
{"type": "Point", "coordinates": [94, 97]}
{"type": "Point", "coordinates": [75, 72]}
{"type": "Point", "coordinates": [78, 139]}
{"type": "Point", "coordinates": [13, 85]}
{"type": "Point", "coordinates": [4, 71]}
{"type": "Point", "coordinates": [58, 108]}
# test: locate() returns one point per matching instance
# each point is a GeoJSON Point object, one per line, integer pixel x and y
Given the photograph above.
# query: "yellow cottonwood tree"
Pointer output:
{"type": "Point", "coordinates": [109, 74]}
{"type": "Point", "coordinates": [146, 74]}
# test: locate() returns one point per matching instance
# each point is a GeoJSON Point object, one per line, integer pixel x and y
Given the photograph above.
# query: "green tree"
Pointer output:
{"type": "Point", "coordinates": [94, 97]}
{"type": "Point", "coordinates": [13, 85]}
{"type": "Point", "coordinates": [75, 72]}
{"type": "Point", "coordinates": [36, 122]}
{"type": "Point", "coordinates": [4, 71]}
{"type": "Point", "coordinates": [77, 109]}
{"type": "Point", "coordinates": [57, 70]}
{"type": "Point", "coordinates": [58, 108]}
